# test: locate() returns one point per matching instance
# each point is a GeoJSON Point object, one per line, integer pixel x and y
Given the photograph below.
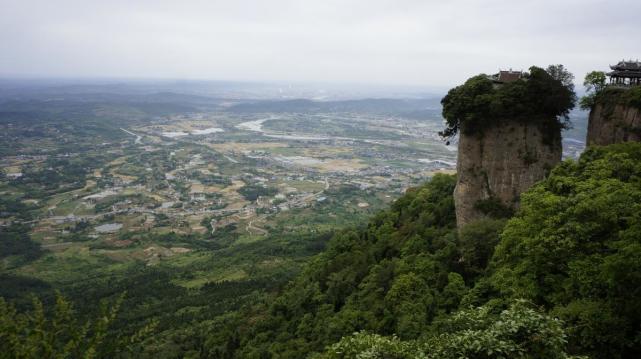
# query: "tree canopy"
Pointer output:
{"type": "Point", "coordinates": [594, 83]}
{"type": "Point", "coordinates": [412, 286]}
{"type": "Point", "coordinates": [516, 332]}
{"type": "Point", "coordinates": [542, 97]}
{"type": "Point", "coordinates": [575, 248]}
{"type": "Point", "coordinates": [598, 92]}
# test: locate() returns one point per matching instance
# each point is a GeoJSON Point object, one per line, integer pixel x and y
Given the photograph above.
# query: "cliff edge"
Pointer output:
{"type": "Point", "coordinates": [510, 136]}
{"type": "Point", "coordinates": [615, 117]}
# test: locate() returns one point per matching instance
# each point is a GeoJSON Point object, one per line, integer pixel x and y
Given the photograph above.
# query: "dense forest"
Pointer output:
{"type": "Point", "coordinates": [571, 253]}
{"type": "Point", "coordinates": [558, 279]}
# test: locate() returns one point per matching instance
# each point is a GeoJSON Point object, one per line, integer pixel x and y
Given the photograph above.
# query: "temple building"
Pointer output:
{"type": "Point", "coordinates": [506, 76]}
{"type": "Point", "coordinates": [626, 73]}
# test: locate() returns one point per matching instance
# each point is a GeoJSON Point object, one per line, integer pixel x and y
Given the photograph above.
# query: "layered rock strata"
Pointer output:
{"type": "Point", "coordinates": [499, 165]}
{"type": "Point", "coordinates": [613, 123]}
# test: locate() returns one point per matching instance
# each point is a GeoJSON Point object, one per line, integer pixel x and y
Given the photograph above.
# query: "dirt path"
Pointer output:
{"type": "Point", "coordinates": [250, 226]}
{"type": "Point", "coordinates": [55, 245]}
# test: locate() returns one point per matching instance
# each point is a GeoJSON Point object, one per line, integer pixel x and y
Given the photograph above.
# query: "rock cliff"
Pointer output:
{"type": "Point", "coordinates": [510, 137]}
{"type": "Point", "coordinates": [500, 164]}
{"type": "Point", "coordinates": [613, 123]}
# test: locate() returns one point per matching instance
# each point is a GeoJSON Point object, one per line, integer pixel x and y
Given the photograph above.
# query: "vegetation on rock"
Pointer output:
{"type": "Point", "coordinates": [541, 96]}
{"type": "Point", "coordinates": [598, 92]}
{"type": "Point", "coordinates": [594, 84]}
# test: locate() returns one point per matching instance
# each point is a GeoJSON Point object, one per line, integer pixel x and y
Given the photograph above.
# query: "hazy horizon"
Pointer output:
{"type": "Point", "coordinates": [380, 42]}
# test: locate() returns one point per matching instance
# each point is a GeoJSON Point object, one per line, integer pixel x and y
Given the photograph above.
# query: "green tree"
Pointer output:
{"type": "Point", "coordinates": [61, 334]}
{"type": "Point", "coordinates": [574, 248]}
{"type": "Point", "coordinates": [453, 292]}
{"type": "Point", "coordinates": [560, 73]}
{"type": "Point", "coordinates": [410, 301]}
{"type": "Point", "coordinates": [594, 84]}
{"type": "Point", "coordinates": [517, 332]}
{"type": "Point", "coordinates": [476, 242]}
{"type": "Point", "coordinates": [540, 97]}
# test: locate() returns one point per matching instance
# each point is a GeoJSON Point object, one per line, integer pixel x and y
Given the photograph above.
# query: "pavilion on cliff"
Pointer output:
{"type": "Point", "coordinates": [626, 73]}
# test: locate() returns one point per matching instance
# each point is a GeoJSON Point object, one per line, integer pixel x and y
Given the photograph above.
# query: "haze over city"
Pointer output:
{"type": "Point", "coordinates": [418, 43]}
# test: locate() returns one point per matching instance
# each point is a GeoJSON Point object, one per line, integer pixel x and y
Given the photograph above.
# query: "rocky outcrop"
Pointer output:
{"type": "Point", "coordinates": [499, 165]}
{"type": "Point", "coordinates": [613, 123]}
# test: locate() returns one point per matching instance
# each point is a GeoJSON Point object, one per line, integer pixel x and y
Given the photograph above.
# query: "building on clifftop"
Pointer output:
{"type": "Point", "coordinates": [504, 76]}
{"type": "Point", "coordinates": [625, 73]}
{"type": "Point", "coordinates": [615, 109]}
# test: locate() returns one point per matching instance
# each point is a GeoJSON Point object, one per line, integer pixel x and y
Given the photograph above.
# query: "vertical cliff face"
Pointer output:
{"type": "Point", "coordinates": [510, 137]}
{"type": "Point", "coordinates": [499, 165]}
{"type": "Point", "coordinates": [613, 123]}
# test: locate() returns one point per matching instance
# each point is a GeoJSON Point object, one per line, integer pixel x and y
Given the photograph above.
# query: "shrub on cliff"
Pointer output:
{"type": "Point", "coordinates": [543, 97]}
{"type": "Point", "coordinates": [597, 91]}
{"type": "Point", "coordinates": [613, 96]}
{"type": "Point", "coordinates": [594, 84]}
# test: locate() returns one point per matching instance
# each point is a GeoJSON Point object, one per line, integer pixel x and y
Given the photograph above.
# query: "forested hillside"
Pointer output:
{"type": "Point", "coordinates": [572, 252]}
{"type": "Point", "coordinates": [559, 279]}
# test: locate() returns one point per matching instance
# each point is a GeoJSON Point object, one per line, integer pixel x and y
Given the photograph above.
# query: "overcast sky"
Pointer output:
{"type": "Point", "coordinates": [401, 42]}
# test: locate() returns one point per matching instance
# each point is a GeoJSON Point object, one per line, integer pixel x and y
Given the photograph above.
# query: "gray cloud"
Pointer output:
{"type": "Point", "coordinates": [436, 43]}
